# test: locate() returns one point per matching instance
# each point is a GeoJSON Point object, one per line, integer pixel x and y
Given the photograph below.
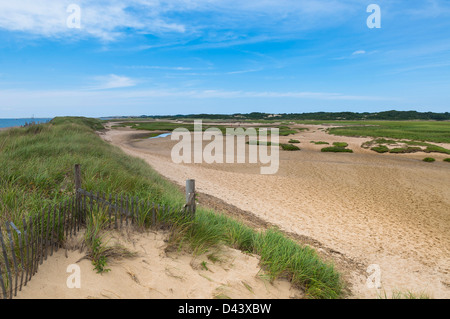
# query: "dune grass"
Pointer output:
{"type": "Point", "coordinates": [294, 141]}
{"type": "Point", "coordinates": [37, 171]}
{"type": "Point", "coordinates": [397, 294]}
{"type": "Point", "coordinates": [429, 159]}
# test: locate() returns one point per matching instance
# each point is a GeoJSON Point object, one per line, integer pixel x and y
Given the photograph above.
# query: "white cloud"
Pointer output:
{"type": "Point", "coordinates": [359, 52]}
{"type": "Point", "coordinates": [101, 19]}
{"type": "Point", "coordinates": [109, 20]}
{"type": "Point", "coordinates": [112, 81]}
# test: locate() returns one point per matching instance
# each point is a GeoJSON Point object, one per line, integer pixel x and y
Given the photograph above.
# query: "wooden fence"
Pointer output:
{"type": "Point", "coordinates": [25, 247]}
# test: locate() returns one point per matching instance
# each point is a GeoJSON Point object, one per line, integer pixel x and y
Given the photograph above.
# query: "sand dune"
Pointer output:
{"type": "Point", "coordinates": [156, 273]}
{"type": "Point", "coordinates": [369, 208]}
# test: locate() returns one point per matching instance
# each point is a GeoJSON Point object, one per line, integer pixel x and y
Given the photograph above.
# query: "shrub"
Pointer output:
{"type": "Point", "coordinates": [447, 160]}
{"type": "Point", "coordinates": [429, 159]}
{"type": "Point", "coordinates": [320, 143]}
{"type": "Point", "coordinates": [294, 141]}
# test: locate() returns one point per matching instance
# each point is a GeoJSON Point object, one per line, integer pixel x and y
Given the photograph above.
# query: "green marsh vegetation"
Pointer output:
{"type": "Point", "coordinates": [431, 131]}
{"type": "Point", "coordinates": [170, 126]}
{"type": "Point", "coordinates": [289, 147]}
{"type": "Point", "coordinates": [403, 146]}
{"type": "Point", "coordinates": [338, 147]}
{"type": "Point", "coordinates": [37, 171]}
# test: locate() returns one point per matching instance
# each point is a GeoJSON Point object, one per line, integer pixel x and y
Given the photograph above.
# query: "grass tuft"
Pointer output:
{"type": "Point", "coordinates": [289, 147]}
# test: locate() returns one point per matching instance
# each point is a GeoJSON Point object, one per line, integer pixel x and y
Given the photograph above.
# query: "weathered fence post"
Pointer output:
{"type": "Point", "coordinates": [190, 196]}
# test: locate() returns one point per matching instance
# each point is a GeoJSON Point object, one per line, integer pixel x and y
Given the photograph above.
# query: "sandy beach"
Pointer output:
{"type": "Point", "coordinates": [357, 209]}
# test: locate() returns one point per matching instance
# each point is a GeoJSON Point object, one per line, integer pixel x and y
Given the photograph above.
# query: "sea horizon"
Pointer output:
{"type": "Point", "coordinates": [12, 122]}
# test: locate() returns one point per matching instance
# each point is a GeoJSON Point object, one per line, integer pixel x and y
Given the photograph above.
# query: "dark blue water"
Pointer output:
{"type": "Point", "coordinates": [20, 122]}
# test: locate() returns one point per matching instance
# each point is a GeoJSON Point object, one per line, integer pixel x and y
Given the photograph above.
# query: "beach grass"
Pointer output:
{"type": "Point", "coordinates": [37, 171]}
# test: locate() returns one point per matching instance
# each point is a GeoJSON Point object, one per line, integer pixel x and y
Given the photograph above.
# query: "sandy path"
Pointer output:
{"type": "Point", "coordinates": [382, 209]}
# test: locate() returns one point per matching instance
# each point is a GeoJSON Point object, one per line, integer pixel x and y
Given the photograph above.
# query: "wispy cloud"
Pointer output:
{"type": "Point", "coordinates": [156, 67]}
{"type": "Point", "coordinates": [359, 52]}
{"type": "Point", "coordinates": [215, 21]}
{"type": "Point", "coordinates": [112, 81]}
{"type": "Point", "coordinates": [19, 95]}
{"type": "Point", "coordinates": [106, 20]}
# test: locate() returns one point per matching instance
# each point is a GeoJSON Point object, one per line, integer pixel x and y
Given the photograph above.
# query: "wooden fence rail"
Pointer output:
{"type": "Point", "coordinates": [26, 246]}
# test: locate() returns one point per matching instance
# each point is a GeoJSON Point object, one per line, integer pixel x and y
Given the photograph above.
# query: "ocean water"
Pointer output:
{"type": "Point", "coordinates": [20, 122]}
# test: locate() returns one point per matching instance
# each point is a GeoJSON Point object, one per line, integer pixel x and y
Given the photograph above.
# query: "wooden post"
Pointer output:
{"type": "Point", "coordinates": [190, 196]}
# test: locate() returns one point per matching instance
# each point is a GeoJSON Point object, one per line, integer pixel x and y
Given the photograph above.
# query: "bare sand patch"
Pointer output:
{"type": "Point", "coordinates": [155, 273]}
{"type": "Point", "coordinates": [382, 209]}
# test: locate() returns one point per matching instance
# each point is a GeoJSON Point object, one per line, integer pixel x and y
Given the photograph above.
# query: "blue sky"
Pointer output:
{"type": "Point", "coordinates": [214, 56]}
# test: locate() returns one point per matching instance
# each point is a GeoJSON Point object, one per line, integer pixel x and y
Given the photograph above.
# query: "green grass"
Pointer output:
{"type": "Point", "coordinates": [380, 149]}
{"type": "Point", "coordinates": [37, 171]}
{"type": "Point", "coordinates": [410, 146]}
{"type": "Point", "coordinates": [320, 143]}
{"type": "Point", "coordinates": [447, 160]}
{"type": "Point", "coordinates": [294, 141]}
{"type": "Point", "coordinates": [340, 144]}
{"type": "Point", "coordinates": [289, 147]}
{"type": "Point", "coordinates": [170, 126]}
{"type": "Point", "coordinates": [436, 149]}
{"type": "Point", "coordinates": [396, 294]}
{"type": "Point", "coordinates": [336, 149]}
{"type": "Point", "coordinates": [404, 150]}
{"type": "Point", "coordinates": [431, 131]}
{"type": "Point", "coordinates": [429, 159]}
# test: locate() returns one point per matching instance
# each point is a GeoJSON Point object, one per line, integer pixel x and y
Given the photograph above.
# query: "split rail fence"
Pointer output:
{"type": "Point", "coordinates": [25, 247]}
